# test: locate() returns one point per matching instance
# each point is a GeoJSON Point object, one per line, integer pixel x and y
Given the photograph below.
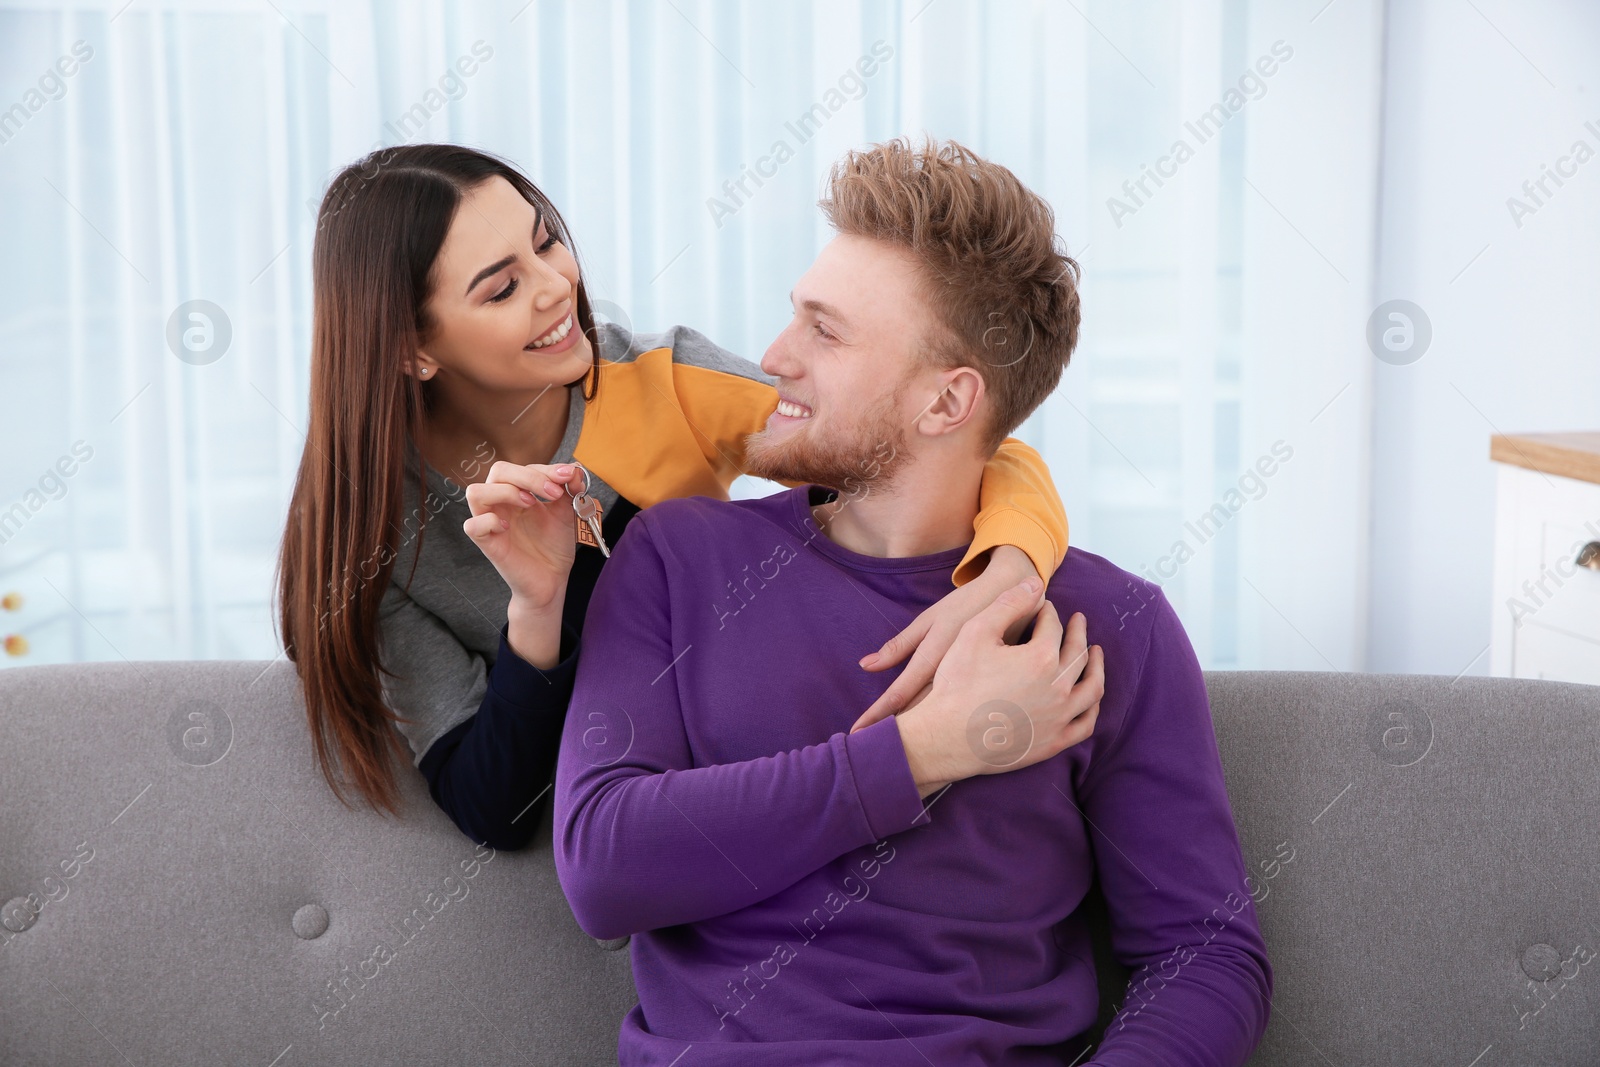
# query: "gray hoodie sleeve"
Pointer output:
{"type": "Point", "coordinates": [441, 682]}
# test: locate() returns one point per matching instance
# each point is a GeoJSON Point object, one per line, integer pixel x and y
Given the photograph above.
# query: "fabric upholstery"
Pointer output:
{"type": "Point", "coordinates": [1424, 855]}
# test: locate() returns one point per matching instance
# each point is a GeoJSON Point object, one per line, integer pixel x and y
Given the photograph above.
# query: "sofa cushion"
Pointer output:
{"type": "Point", "coordinates": [217, 904]}
{"type": "Point", "coordinates": [178, 885]}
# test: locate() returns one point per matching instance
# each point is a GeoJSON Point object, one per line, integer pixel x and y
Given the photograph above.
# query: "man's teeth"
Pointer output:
{"type": "Point", "coordinates": [794, 411]}
{"type": "Point", "coordinates": [554, 335]}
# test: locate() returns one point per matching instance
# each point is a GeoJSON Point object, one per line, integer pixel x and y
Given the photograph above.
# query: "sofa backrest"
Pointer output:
{"type": "Point", "coordinates": [177, 883]}
{"type": "Point", "coordinates": [1441, 903]}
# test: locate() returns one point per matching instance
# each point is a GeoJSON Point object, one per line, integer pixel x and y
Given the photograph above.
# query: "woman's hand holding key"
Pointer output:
{"type": "Point", "coordinates": [522, 520]}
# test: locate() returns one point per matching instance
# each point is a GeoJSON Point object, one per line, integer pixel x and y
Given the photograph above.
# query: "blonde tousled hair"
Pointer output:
{"type": "Point", "coordinates": [999, 280]}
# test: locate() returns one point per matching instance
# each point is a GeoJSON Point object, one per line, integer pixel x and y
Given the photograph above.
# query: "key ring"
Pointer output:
{"type": "Point", "coordinates": [585, 491]}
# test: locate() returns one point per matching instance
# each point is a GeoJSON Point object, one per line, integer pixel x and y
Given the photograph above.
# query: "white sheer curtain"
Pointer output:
{"type": "Point", "coordinates": [184, 159]}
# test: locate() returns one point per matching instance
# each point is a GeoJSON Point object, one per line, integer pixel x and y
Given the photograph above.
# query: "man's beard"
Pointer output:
{"type": "Point", "coordinates": [856, 460]}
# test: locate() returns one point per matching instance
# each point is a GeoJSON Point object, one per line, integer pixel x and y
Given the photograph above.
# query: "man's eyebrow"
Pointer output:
{"type": "Point", "coordinates": [495, 268]}
{"type": "Point", "coordinates": [821, 308]}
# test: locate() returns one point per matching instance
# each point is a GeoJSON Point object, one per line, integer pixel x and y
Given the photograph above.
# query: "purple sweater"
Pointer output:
{"type": "Point", "coordinates": [781, 879]}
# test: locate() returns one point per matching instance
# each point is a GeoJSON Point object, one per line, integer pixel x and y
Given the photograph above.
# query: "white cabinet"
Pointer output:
{"type": "Point", "coordinates": [1547, 558]}
{"type": "Point", "coordinates": [1541, 652]}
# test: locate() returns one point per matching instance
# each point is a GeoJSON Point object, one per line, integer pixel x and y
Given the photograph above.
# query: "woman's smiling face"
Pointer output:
{"type": "Point", "coordinates": [503, 310]}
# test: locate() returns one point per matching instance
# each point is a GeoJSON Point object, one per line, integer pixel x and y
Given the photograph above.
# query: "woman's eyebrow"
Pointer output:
{"type": "Point", "coordinates": [492, 269]}
{"type": "Point", "coordinates": [538, 220]}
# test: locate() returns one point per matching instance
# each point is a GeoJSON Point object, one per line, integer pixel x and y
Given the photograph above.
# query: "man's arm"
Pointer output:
{"type": "Point", "coordinates": [1169, 863]}
{"type": "Point", "coordinates": [643, 838]}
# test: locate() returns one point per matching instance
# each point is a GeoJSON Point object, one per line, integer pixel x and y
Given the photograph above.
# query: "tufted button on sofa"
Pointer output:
{"type": "Point", "coordinates": [178, 885]}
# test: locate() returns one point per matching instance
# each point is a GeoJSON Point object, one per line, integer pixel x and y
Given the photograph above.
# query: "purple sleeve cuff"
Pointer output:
{"type": "Point", "coordinates": [884, 786]}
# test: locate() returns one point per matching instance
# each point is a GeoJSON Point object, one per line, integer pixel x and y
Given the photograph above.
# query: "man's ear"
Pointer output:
{"type": "Point", "coordinates": [957, 403]}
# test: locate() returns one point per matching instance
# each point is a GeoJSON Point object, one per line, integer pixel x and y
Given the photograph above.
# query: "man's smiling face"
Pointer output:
{"type": "Point", "coordinates": [852, 373]}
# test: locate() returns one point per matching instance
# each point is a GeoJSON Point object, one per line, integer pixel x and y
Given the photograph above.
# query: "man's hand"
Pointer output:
{"type": "Point", "coordinates": [931, 633]}
{"type": "Point", "coordinates": [995, 707]}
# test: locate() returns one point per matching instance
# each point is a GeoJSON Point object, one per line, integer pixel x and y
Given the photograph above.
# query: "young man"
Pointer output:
{"type": "Point", "coordinates": [806, 887]}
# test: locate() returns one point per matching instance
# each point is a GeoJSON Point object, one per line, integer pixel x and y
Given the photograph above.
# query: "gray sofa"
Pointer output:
{"type": "Point", "coordinates": [178, 886]}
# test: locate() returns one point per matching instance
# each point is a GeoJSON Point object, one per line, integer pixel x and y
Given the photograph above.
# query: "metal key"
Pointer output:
{"type": "Point", "coordinates": [588, 510]}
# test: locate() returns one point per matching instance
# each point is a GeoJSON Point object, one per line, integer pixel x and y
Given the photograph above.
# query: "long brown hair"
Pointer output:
{"type": "Point", "coordinates": [379, 231]}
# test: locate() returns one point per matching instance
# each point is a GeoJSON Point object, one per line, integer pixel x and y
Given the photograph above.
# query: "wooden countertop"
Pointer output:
{"type": "Point", "coordinates": [1571, 455]}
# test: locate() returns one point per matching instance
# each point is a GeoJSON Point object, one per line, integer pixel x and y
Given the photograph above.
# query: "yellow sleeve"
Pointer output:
{"type": "Point", "coordinates": [658, 429]}
{"type": "Point", "coordinates": [1018, 505]}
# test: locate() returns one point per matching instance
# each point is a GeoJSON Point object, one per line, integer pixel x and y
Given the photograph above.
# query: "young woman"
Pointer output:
{"type": "Point", "coordinates": [454, 346]}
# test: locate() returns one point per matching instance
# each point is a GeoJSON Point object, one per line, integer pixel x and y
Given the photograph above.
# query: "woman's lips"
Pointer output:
{"type": "Point", "coordinates": [566, 341]}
